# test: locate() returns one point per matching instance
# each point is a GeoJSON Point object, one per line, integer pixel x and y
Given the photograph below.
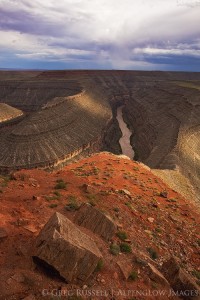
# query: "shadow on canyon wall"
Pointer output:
{"type": "Point", "coordinates": [69, 113]}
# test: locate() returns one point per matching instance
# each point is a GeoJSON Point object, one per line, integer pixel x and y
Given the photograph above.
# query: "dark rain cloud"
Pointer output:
{"type": "Point", "coordinates": [25, 22]}
{"type": "Point", "coordinates": [111, 34]}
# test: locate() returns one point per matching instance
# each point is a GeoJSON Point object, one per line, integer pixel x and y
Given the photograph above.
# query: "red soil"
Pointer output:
{"type": "Point", "coordinates": [26, 205]}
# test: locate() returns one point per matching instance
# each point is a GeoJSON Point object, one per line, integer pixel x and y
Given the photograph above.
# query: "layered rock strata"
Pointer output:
{"type": "Point", "coordinates": [8, 113]}
{"type": "Point", "coordinates": [93, 219]}
{"type": "Point", "coordinates": [74, 111]}
{"type": "Point", "coordinates": [56, 133]}
{"type": "Point", "coordinates": [163, 112]}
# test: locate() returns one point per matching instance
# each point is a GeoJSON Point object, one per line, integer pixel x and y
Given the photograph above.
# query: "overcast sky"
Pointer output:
{"type": "Point", "coordinates": [100, 34]}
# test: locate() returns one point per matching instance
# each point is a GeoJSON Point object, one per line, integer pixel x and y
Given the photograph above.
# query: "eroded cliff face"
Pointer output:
{"type": "Point", "coordinates": [164, 115]}
{"type": "Point", "coordinates": [74, 112]}
{"type": "Point", "coordinates": [8, 113]}
{"type": "Point", "coordinates": [62, 129]}
{"type": "Point", "coordinates": [166, 121]}
{"type": "Point", "coordinates": [31, 94]}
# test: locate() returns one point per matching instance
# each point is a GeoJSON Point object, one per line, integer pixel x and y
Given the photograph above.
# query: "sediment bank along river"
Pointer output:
{"type": "Point", "coordinates": [126, 134]}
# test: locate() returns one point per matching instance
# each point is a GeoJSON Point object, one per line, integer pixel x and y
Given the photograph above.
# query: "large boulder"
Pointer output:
{"type": "Point", "coordinates": [156, 276]}
{"type": "Point", "coordinates": [63, 246]}
{"type": "Point", "coordinates": [125, 265]}
{"type": "Point", "coordinates": [93, 219]}
{"type": "Point", "coordinates": [181, 282]}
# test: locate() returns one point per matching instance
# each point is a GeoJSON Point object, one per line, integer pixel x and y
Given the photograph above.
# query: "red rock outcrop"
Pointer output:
{"type": "Point", "coordinates": [63, 246]}
{"type": "Point", "coordinates": [181, 282]}
{"type": "Point", "coordinates": [93, 219]}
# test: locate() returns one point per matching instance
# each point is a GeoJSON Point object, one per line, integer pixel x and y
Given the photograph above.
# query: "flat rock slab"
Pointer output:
{"type": "Point", "coordinates": [63, 246]}
{"type": "Point", "coordinates": [180, 281]}
{"type": "Point", "coordinates": [96, 221]}
{"type": "Point", "coordinates": [125, 266]}
{"type": "Point", "coordinates": [156, 276]}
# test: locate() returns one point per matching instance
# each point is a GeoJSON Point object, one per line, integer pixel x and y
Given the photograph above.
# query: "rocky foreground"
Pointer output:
{"type": "Point", "coordinates": [102, 228]}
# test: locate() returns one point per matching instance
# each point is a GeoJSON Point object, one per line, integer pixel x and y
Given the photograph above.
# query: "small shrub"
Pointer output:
{"type": "Point", "coordinates": [91, 197]}
{"type": "Point", "coordinates": [157, 229]}
{"type": "Point", "coordinates": [53, 205]}
{"type": "Point", "coordinates": [99, 266]}
{"type": "Point", "coordinates": [135, 168]}
{"type": "Point", "coordinates": [57, 193]}
{"type": "Point", "coordinates": [163, 194]}
{"type": "Point", "coordinates": [140, 261]}
{"type": "Point", "coordinates": [7, 178]}
{"type": "Point", "coordinates": [153, 254]}
{"type": "Point", "coordinates": [154, 285]}
{"type": "Point", "coordinates": [121, 192]}
{"type": "Point", "coordinates": [125, 248]}
{"type": "Point", "coordinates": [196, 274]}
{"type": "Point", "coordinates": [60, 185]}
{"type": "Point", "coordinates": [73, 204]}
{"type": "Point", "coordinates": [72, 198]}
{"type": "Point", "coordinates": [133, 276]}
{"type": "Point", "coordinates": [116, 209]}
{"type": "Point", "coordinates": [4, 181]}
{"type": "Point", "coordinates": [172, 200]}
{"type": "Point", "coordinates": [50, 198]}
{"type": "Point", "coordinates": [122, 235]}
{"type": "Point", "coordinates": [128, 204]}
{"type": "Point", "coordinates": [114, 249]}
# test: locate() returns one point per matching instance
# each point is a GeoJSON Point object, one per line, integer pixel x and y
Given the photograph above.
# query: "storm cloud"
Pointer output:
{"type": "Point", "coordinates": [123, 34]}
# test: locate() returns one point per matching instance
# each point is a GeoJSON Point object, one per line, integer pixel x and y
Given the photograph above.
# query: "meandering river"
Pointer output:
{"type": "Point", "coordinates": [126, 134]}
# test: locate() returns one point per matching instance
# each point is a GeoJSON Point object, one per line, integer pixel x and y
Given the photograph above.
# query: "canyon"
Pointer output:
{"type": "Point", "coordinates": [70, 114]}
{"type": "Point", "coordinates": [124, 141]}
{"type": "Point", "coordinates": [99, 185]}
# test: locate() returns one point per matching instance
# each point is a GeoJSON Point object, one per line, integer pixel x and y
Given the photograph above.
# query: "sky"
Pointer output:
{"type": "Point", "coordinates": [100, 34]}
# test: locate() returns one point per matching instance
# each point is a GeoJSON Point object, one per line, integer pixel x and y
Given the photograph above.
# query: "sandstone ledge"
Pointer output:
{"type": "Point", "coordinates": [69, 251]}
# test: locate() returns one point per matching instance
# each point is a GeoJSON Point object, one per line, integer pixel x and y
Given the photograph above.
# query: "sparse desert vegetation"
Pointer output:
{"type": "Point", "coordinates": [119, 224]}
{"type": "Point", "coordinates": [54, 96]}
{"type": "Point", "coordinates": [140, 236]}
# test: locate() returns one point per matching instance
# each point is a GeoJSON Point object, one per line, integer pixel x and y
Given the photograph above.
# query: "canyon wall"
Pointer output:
{"type": "Point", "coordinates": [31, 94]}
{"type": "Point", "coordinates": [8, 113]}
{"type": "Point", "coordinates": [57, 132]}
{"type": "Point", "coordinates": [163, 112]}
{"type": "Point", "coordinates": [69, 112]}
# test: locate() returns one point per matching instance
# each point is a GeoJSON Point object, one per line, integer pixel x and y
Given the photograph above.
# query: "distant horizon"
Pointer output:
{"type": "Point", "coordinates": [128, 70]}
{"type": "Point", "coordinates": [147, 35]}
